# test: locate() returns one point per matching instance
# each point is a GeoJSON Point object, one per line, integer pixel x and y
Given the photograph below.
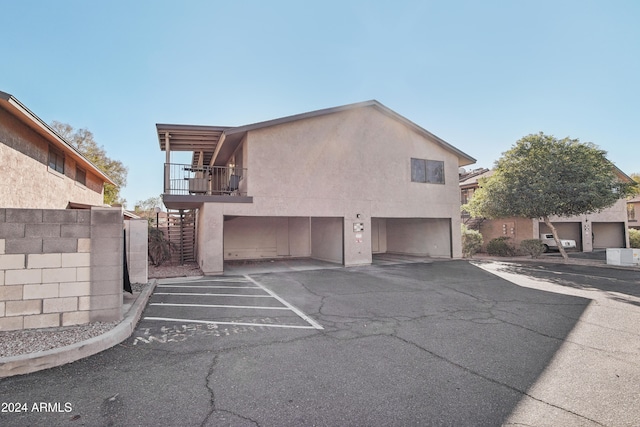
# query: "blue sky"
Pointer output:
{"type": "Point", "coordinates": [479, 74]}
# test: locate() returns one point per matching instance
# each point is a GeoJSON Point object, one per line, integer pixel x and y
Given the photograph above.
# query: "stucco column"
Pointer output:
{"type": "Point", "coordinates": [587, 235]}
{"type": "Point", "coordinates": [210, 244]}
{"type": "Point", "coordinates": [357, 237]}
{"type": "Point", "coordinates": [456, 237]}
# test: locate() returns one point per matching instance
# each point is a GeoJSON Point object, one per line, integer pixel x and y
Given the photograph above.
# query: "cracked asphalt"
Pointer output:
{"type": "Point", "coordinates": [444, 343]}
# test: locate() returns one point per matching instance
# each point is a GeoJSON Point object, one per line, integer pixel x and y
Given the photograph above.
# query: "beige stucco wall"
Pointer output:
{"type": "Point", "coordinates": [419, 236]}
{"type": "Point", "coordinates": [352, 165]}
{"type": "Point", "coordinates": [266, 237]}
{"type": "Point", "coordinates": [27, 181]}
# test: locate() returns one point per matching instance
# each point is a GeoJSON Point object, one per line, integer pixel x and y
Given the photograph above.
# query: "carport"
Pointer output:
{"type": "Point", "coordinates": [264, 237]}
{"type": "Point", "coordinates": [412, 236]}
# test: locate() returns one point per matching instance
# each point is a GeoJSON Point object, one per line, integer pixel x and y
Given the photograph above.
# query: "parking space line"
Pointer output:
{"type": "Point", "coordinates": [306, 318]}
{"type": "Point", "coordinates": [211, 322]}
{"type": "Point", "coordinates": [211, 295]}
{"type": "Point", "coordinates": [182, 280]}
{"type": "Point", "coordinates": [207, 287]}
{"type": "Point", "coordinates": [245, 282]}
{"type": "Point", "coordinates": [171, 304]}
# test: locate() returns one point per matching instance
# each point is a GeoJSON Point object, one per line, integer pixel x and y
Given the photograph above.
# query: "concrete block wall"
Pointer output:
{"type": "Point", "coordinates": [107, 259]}
{"type": "Point", "coordinates": [48, 267]}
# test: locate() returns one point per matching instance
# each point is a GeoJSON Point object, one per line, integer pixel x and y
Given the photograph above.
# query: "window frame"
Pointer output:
{"type": "Point", "coordinates": [81, 173]}
{"type": "Point", "coordinates": [427, 171]}
{"type": "Point", "coordinates": [56, 160]}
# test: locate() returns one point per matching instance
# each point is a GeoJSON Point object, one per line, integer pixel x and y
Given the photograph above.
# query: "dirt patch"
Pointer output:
{"type": "Point", "coordinates": [174, 270]}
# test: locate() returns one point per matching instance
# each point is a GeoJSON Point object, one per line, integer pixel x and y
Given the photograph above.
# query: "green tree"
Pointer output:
{"type": "Point", "coordinates": [541, 176]}
{"type": "Point", "coordinates": [82, 140]}
{"type": "Point", "coordinates": [147, 208]}
{"type": "Point", "coordinates": [636, 178]}
{"type": "Point", "coordinates": [471, 241]}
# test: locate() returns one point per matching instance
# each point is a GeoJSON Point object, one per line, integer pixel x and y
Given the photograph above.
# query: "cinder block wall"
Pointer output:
{"type": "Point", "coordinates": [60, 267]}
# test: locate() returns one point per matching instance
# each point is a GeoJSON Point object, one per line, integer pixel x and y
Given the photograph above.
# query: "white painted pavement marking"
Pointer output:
{"type": "Point", "coordinates": [228, 279]}
{"type": "Point", "coordinates": [207, 287]}
{"type": "Point", "coordinates": [306, 318]}
{"type": "Point", "coordinates": [211, 322]}
{"type": "Point", "coordinates": [171, 304]}
{"type": "Point", "coordinates": [213, 295]}
{"type": "Point", "coordinates": [271, 294]}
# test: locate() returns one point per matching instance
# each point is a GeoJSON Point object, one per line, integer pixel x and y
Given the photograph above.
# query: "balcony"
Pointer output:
{"type": "Point", "coordinates": [187, 186]}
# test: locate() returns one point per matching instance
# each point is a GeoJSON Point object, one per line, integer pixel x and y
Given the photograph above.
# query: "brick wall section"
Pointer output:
{"type": "Point", "coordinates": [50, 277]}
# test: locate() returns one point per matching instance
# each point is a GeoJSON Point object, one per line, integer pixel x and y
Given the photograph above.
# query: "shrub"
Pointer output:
{"type": "Point", "coordinates": [471, 242]}
{"type": "Point", "coordinates": [501, 246]}
{"type": "Point", "coordinates": [533, 247]}
{"type": "Point", "coordinates": [159, 247]}
{"type": "Point", "coordinates": [634, 238]}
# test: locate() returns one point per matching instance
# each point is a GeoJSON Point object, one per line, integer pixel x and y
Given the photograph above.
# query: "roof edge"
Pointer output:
{"type": "Point", "coordinates": [20, 107]}
{"type": "Point", "coordinates": [464, 159]}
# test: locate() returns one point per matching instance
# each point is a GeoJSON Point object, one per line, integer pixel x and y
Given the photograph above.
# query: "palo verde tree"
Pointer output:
{"type": "Point", "coordinates": [541, 176]}
{"type": "Point", "coordinates": [83, 141]}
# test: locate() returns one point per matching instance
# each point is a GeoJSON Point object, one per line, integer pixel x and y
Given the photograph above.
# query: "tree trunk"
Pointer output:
{"type": "Point", "coordinates": [556, 238]}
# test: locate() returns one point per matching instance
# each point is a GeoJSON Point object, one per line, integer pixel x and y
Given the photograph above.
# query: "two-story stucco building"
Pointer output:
{"type": "Point", "coordinates": [40, 169]}
{"type": "Point", "coordinates": [599, 230]}
{"type": "Point", "coordinates": [338, 184]}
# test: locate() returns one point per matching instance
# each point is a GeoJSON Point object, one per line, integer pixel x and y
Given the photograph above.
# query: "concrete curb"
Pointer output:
{"type": "Point", "coordinates": [572, 261]}
{"type": "Point", "coordinates": [33, 362]}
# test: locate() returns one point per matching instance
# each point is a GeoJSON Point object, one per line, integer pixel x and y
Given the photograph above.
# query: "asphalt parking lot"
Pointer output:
{"type": "Point", "coordinates": [451, 343]}
{"type": "Point", "coordinates": [225, 301]}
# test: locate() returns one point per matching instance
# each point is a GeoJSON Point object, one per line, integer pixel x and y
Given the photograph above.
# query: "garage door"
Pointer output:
{"type": "Point", "coordinates": [608, 234]}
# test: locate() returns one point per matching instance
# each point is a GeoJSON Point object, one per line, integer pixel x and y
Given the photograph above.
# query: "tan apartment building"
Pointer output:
{"type": "Point", "coordinates": [338, 185]}
{"type": "Point", "coordinates": [606, 229]}
{"type": "Point", "coordinates": [40, 169]}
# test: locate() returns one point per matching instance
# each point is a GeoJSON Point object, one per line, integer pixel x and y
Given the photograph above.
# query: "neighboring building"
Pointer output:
{"type": "Point", "coordinates": [606, 229]}
{"type": "Point", "coordinates": [633, 212]}
{"type": "Point", "coordinates": [40, 169]}
{"type": "Point", "coordinates": [61, 250]}
{"type": "Point", "coordinates": [338, 185]}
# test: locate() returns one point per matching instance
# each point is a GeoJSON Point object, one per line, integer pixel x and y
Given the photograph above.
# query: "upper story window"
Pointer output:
{"type": "Point", "coordinates": [81, 176]}
{"type": "Point", "coordinates": [427, 171]}
{"type": "Point", "coordinates": [56, 159]}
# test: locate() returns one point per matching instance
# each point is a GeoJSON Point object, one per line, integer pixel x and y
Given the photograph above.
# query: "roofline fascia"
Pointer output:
{"type": "Point", "coordinates": [468, 160]}
{"type": "Point", "coordinates": [26, 112]}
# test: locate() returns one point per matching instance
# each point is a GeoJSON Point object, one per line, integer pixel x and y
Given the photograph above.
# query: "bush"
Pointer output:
{"type": "Point", "coordinates": [634, 238]}
{"type": "Point", "coordinates": [533, 247]}
{"type": "Point", "coordinates": [471, 242]}
{"type": "Point", "coordinates": [501, 246]}
{"type": "Point", "coordinates": [159, 247]}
